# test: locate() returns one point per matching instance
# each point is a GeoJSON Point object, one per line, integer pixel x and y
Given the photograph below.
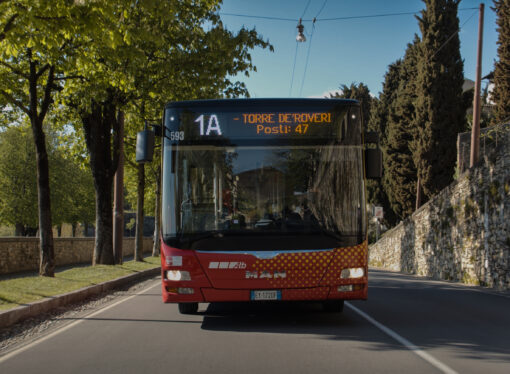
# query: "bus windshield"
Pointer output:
{"type": "Point", "coordinates": [255, 196]}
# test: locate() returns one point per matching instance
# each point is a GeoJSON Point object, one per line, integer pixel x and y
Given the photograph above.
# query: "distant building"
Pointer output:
{"type": "Point", "coordinates": [487, 103]}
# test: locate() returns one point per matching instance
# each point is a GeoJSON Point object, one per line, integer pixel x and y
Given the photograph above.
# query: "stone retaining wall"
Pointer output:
{"type": "Point", "coordinates": [463, 233]}
{"type": "Point", "coordinates": [22, 254]}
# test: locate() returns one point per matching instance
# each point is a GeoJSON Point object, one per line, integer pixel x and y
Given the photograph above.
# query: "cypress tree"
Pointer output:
{"type": "Point", "coordinates": [374, 113]}
{"type": "Point", "coordinates": [358, 92]}
{"type": "Point", "coordinates": [501, 92]}
{"type": "Point", "coordinates": [440, 106]}
{"type": "Point", "coordinates": [400, 171]}
{"type": "Point", "coordinates": [376, 189]}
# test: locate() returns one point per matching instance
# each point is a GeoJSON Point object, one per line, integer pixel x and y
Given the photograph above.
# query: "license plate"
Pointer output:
{"type": "Point", "coordinates": [266, 295]}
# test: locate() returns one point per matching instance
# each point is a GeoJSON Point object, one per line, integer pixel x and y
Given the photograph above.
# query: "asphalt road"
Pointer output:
{"type": "Point", "coordinates": [408, 325]}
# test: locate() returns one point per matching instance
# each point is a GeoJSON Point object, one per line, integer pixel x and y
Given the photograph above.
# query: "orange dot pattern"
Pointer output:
{"type": "Point", "coordinates": [306, 269]}
{"type": "Point", "coordinates": [348, 257]}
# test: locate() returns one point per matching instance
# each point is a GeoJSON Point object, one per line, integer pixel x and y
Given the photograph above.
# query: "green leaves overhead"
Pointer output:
{"type": "Point", "coordinates": [157, 49]}
{"type": "Point", "coordinates": [90, 59]}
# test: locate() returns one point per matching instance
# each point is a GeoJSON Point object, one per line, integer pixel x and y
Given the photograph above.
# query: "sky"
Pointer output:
{"type": "Point", "coordinates": [343, 51]}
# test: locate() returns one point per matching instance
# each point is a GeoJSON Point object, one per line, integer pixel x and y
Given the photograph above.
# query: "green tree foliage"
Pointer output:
{"type": "Point", "coordinates": [18, 185]}
{"type": "Point", "coordinates": [150, 51]}
{"type": "Point", "coordinates": [374, 113]}
{"type": "Point", "coordinates": [35, 37]}
{"type": "Point", "coordinates": [501, 92]}
{"type": "Point", "coordinates": [400, 177]}
{"type": "Point", "coordinates": [440, 105]}
{"type": "Point", "coordinates": [71, 185]}
{"type": "Point", "coordinates": [379, 191]}
{"type": "Point", "coordinates": [361, 93]}
{"type": "Point", "coordinates": [29, 53]}
{"type": "Point", "coordinates": [358, 92]}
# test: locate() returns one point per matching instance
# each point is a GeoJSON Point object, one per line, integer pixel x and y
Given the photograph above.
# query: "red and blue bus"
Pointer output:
{"type": "Point", "coordinates": [263, 199]}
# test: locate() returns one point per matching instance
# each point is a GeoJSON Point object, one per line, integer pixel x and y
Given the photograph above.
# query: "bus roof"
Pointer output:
{"type": "Point", "coordinates": [260, 101]}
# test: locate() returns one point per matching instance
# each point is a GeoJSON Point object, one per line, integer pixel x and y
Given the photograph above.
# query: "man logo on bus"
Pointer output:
{"type": "Point", "coordinates": [227, 265]}
{"type": "Point", "coordinates": [265, 274]}
{"type": "Point", "coordinates": [213, 125]}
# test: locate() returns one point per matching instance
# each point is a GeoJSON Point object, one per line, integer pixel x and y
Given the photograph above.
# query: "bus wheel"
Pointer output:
{"type": "Point", "coordinates": [188, 308]}
{"type": "Point", "coordinates": [333, 306]}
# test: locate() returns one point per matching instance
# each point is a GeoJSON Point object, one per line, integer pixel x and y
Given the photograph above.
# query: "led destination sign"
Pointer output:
{"type": "Point", "coordinates": [284, 123]}
{"type": "Point", "coordinates": [187, 126]}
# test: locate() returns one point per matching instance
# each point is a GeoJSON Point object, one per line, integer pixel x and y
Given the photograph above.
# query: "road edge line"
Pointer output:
{"type": "Point", "coordinates": [406, 343]}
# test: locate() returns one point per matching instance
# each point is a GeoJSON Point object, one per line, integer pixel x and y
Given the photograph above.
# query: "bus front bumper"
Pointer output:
{"type": "Point", "coordinates": [188, 294]}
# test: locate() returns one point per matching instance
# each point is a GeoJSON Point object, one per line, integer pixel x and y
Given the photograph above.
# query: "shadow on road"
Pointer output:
{"type": "Point", "coordinates": [433, 315]}
{"type": "Point", "coordinates": [270, 317]}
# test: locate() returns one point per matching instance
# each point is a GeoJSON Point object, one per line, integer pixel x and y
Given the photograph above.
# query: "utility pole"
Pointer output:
{"type": "Point", "coordinates": [118, 198]}
{"type": "Point", "coordinates": [475, 131]}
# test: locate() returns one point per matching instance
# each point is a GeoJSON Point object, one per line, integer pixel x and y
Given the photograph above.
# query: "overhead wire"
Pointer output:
{"type": "Point", "coordinates": [293, 69]}
{"type": "Point", "coordinates": [259, 17]}
{"type": "Point", "coordinates": [322, 7]}
{"type": "Point", "coordinates": [329, 19]}
{"type": "Point", "coordinates": [310, 46]}
{"type": "Point", "coordinates": [306, 8]}
{"type": "Point", "coordinates": [316, 19]}
{"type": "Point", "coordinates": [454, 33]}
{"type": "Point", "coordinates": [295, 53]}
{"type": "Point", "coordinates": [307, 59]}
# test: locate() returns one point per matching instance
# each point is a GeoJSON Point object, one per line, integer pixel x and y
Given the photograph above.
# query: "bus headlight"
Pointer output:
{"type": "Point", "coordinates": [352, 273]}
{"type": "Point", "coordinates": [178, 275]}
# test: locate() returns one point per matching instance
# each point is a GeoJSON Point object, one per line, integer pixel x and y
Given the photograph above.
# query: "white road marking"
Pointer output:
{"type": "Point", "coordinates": [71, 325]}
{"type": "Point", "coordinates": [424, 355]}
{"type": "Point", "coordinates": [452, 284]}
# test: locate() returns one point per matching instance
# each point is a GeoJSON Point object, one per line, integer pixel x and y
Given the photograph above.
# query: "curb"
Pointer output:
{"type": "Point", "coordinates": [12, 316]}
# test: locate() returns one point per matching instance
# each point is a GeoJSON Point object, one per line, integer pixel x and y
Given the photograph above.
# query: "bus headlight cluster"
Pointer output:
{"type": "Point", "coordinates": [178, 275]}
{"type": "Point", "coordinates": [352, 273]}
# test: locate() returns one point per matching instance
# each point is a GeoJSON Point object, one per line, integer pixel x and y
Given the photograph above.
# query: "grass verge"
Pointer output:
{"type": "Point", "coordinates": [20, 291]}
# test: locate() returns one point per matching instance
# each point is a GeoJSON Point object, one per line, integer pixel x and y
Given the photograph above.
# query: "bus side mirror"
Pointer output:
{"type": "Point", "coordinates": [144, 146]}
{"type": "Point", "coordinates": [373, 163]}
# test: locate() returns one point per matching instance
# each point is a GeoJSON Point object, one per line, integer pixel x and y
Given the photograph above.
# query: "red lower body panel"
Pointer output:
{"type": "Point", "coordinates": [215, 277]}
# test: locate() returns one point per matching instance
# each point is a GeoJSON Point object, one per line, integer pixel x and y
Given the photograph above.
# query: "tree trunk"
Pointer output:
{"type": "Point", "coordinates": [47, 256]}
{"type": "Point", "coordinates": [103, 246]}
{"type": "Point", "coordinates": [156, 247]}
{"type": "Point", "coordinates": [118, 199]}
{"type": "Point", "coordinates": [139, 213]}
{"type": "Point", "coordinates": [98, 126]}
{"type": "Point", "coordinates": [19, 230]}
